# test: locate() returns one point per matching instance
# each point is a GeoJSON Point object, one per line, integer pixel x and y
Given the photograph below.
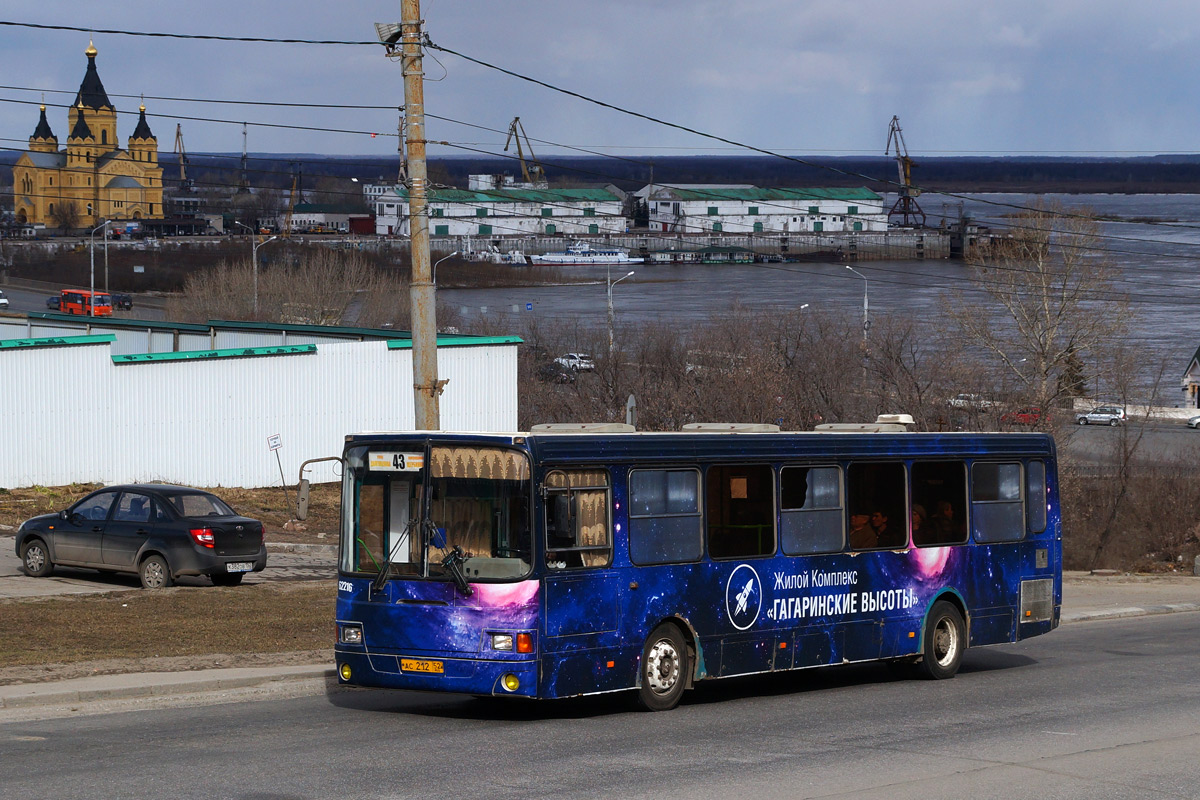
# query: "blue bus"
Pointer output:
{"type": "Point", "coordinates": [574, 561]}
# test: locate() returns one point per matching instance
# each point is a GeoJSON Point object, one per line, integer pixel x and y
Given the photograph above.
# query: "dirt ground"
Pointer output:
{"type": "Point", "coordinates": [182, 628]}
{"type": "Point", "coordinates": [273, 506]}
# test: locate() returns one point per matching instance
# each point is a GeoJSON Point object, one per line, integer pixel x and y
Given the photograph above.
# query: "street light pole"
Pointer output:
{"type": "Point", "coordinates": [106, 259]}
{"type": "Point", "coordinates": [254, 245]}
{"type": "Point", "coordinates": [611, 284]}
{"type": "Point", "coordinates": [440, 260]}
{"type": "Point", "coordinates": [866, 319]}
{"type": "Point", "coordinates": [92, 259]}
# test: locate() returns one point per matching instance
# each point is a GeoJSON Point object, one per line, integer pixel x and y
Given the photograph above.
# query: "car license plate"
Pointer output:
{"type": "Point", "coordinates": [420, 665]}
{"type": "Point", "coordinates": [239, 566]}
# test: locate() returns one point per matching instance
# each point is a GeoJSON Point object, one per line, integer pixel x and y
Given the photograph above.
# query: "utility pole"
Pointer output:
{"type": "Point", "coordinates": [426, 386]}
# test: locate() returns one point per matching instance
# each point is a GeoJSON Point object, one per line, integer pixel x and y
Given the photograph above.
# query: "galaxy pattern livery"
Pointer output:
{"type": "Point", "coordinates": [587, 613]}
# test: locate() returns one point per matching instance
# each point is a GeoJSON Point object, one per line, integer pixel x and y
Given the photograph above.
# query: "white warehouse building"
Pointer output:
{"type": "Point", "coordinates": [742, 210]}
{"type": "Point", "coordinates": [506, 212]}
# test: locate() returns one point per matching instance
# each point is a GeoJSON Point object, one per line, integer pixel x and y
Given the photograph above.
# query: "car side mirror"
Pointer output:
{"type": "Point", "coordinates": [64, 515]}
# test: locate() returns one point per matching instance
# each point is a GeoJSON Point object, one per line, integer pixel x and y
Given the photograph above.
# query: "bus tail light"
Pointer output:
{"type": "Point", "coordinates": [524, 643]}
{"type": "Point", "coordinates": [203, 536]}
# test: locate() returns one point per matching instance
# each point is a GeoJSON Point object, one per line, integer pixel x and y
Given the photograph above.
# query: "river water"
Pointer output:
{"type": "Point", "coordinates": [1154, 241]}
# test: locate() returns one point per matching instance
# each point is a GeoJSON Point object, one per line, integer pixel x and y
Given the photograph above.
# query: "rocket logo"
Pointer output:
{"type": "Point", "coordinates": [743, 596]}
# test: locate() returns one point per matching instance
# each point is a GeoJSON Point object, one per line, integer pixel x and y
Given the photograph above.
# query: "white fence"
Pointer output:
{"type": "Point", "coordinates": [74, 413]}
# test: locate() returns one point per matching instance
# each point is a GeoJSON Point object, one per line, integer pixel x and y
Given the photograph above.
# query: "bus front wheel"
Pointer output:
{"type": "Point", "coordinates": [945, 641]}
{"type": "Point", "coordinates": [665, 665]}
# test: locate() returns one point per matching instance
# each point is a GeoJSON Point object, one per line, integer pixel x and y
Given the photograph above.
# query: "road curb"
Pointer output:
{"type": "Point", "coordinates": [1129, 611]}
{"type": "Point", "coordinates": [158, 684]}
{"type": "Point", "coordinates": [307, 549]}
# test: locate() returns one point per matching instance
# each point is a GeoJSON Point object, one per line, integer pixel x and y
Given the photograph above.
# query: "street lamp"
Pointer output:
{"type": "Point", "coordinates": [92, 256]}
{"type": "Point", "coordinates": [254, 245]}
{"type": "Point", "coordinates": [440, 260]}
{"type": "Point", "coordinates": [611, 284]}
{"type": "Point", "coordinates": [866, 320]}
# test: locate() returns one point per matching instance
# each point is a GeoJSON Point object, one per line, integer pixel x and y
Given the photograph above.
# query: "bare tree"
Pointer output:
{"type": "Point", "coordinates": [1050, 299]}
{"type": "Point", "coordinates": [66, 215]}
{"type": "Point", "coordinates": [321, 287]}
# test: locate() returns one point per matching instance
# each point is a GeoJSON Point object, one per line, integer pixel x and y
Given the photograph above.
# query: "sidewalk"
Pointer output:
{"type": "Point", "coordinates": [1085, 597]}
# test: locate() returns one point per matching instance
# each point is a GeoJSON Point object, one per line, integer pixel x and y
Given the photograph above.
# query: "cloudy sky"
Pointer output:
{"type": "Point", "coordinates": [1049, 77]}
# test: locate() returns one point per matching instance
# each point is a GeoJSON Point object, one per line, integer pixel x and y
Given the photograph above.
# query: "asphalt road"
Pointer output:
{"type": "Point", "coordinates": [1101, 709]}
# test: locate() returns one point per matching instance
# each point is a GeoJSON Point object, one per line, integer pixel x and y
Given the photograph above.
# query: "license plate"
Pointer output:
{"type": "Point", "coordinates": [239, 566]}
{"type": "Point", "coordinates": [420, 665]}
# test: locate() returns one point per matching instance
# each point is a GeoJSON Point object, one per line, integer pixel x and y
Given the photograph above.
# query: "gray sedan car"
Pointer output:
{"type": "Point", "coordinates": [1102, 415]}
{"type": "Point", "coordinates": [156, 531]}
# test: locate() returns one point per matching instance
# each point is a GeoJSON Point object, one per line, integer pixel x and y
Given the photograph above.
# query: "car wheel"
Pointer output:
{"type": "Point", "coordinates": [1114, 422]}
{"type": "Point", "coordinates": [226, 578]}
{"type": "Point", "coordinates": [665, 666]}
{"type": "Point", "coordinates": [1082, 420]}
{"type": "Point", "coordinates": [35, 559]}
{"type": "Point", "coordinates": [155, 573]}
{"type": "Point", "coordinates": [944, 642]}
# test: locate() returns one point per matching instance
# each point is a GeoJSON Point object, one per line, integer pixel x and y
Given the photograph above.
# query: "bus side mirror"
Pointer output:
{"type": "Point", "coordinates": [302, 500]}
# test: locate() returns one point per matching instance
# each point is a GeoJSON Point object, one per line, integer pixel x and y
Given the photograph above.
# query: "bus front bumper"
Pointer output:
{"type": "Point", "coordinates": [477, 676]}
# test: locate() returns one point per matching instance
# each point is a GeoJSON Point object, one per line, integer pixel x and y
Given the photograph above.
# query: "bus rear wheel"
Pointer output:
{"type": "Point", "coordinates": [945, 641]}
{"type": "Point", "coordinates": [664, 672]}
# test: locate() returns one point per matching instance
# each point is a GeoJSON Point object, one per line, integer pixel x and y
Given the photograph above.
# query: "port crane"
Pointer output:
{"type": "Point", "coordinates": [184, 183]}
{"type": "Point", "coordinates": [531, 169]}
{"type": "Point", "coordinates": [906, 210]}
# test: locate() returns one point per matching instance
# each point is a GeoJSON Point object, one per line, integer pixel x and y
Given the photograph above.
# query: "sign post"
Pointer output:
{"type": "Point", "coordinates": [274, 444]}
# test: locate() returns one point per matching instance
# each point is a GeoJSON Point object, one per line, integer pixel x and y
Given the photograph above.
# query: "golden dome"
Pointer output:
{"type": "Point", "coordinates": [91, 51]}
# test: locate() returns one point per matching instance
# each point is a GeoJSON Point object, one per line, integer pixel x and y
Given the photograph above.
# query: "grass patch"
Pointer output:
{"type": "Point", "coordinates": [181, 621]}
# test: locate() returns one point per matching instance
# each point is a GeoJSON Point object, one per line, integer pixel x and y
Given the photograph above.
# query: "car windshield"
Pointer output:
{"type": "Point", "coordinates": [200, 505]}
{"type": "Point", "coordinates": [399, 509]}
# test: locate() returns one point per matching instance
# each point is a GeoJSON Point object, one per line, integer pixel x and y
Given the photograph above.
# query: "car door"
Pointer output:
{"type": "Point", "coordinates": [77, 539]}
{"type": "Point", "coordinates": [131, 522]}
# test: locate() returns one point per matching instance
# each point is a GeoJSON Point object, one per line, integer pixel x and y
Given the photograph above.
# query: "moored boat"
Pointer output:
{"type": "Point", "coordinates": [584, 253]}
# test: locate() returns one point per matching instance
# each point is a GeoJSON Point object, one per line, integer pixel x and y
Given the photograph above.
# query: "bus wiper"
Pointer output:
{"type": "Point", "coordinates": [452, 563]}
{"type": "Point", "coordinates": [386, 571]}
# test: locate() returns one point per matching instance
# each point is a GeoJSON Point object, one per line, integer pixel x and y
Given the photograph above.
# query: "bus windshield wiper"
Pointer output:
{"type": "Point", "coordinates": [452, 563]}
{"type": "Point", "coordinates": [386, 571]}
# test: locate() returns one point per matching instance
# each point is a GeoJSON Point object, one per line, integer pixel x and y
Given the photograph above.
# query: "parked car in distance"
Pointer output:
{"type": "Point", "coordinates": [3, 301]}
{"type": "Point", "coordinates": [580, 362]}
{"type": "Point", "coordinates": [53, 303]}
{"type": "Point", "coordinates": [1193, 422]}
{"type": "Point", "coordinates": [973, 401]}
{"type": "Point", "coordinates": [1102, 415]}
{"type": "Point", "coordinates": [157, 531]}
{"type": "Point", "coordinates": [1029, 415]}
{"type": "Point", "coordinates": [122, 301]}
{"type": "Point", "coordinates": [555, 372]}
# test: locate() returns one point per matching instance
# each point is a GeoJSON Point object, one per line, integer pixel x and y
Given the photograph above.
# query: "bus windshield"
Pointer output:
{"type": "Point", "coordinates": [405, 515]}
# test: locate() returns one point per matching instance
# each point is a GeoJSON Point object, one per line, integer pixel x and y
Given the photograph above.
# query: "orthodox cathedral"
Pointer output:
{"type": "Point", "coordinates": [93, 179]}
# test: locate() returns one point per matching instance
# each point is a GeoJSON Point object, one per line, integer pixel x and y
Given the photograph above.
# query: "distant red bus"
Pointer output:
{"type": "Point", "coordinates": [79, 301]}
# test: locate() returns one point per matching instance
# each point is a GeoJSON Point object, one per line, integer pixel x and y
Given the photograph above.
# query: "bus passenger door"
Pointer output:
{"type": "Point", "coordinates": [581, 591]}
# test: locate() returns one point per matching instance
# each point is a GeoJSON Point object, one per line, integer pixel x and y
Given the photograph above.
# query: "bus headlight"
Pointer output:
{"type": "Point", "coordinates": [350, 634]}
{"type": "Point", "coordinates": [502, 641]}
{"type": "Point", "coordinates": [510, 682]}
{"type": "Point", "coordinates": [344, 671]}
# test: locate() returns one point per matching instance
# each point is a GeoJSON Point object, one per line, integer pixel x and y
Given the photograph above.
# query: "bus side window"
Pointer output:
{"type": "Point", "coordinates": [939, 500]}
{"type": "Point", "coordinates": [665, 524]}
{"type": "Point", "coordinates": [741, 510]}
{"type": "Point", "coordinates": [997, 514]}
{"type": "Point", "coordinates": [1035, 496]}
{"type": "Point", "coordinates": [877, 506]}
{"type": "Point", "coordinates": [578, 522]}
{"type": "Point", "coordinates": [811, 510]}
